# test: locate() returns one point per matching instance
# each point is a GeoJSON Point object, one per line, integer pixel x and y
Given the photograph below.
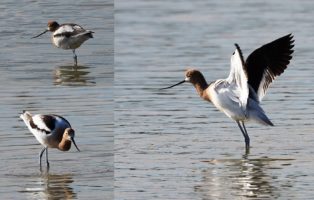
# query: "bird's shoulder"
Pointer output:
{"type": "Point", "coordinates": [68, 30]}
{"type": "Point", "coordinates": [44, 123]}
{"type": "Point", "coordinates": [225, 90]}
{"type": "Point", "coordinates": [61, 121]}
{"type": "Point", "coordinates": [219, 85]}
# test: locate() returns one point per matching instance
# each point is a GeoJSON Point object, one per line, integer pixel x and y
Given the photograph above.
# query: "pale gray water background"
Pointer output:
{"type": "Point", "coordinates": [38, 77]}
{"type": "Point", "coordinates": [173, 145]}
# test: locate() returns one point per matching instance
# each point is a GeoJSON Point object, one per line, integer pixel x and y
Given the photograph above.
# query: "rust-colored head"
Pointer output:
{"type": "Point", "coordinates": [194, 76]}
{"type": "Point", "coordinates": [52, 26]}
{"type": "Point", "coordinates": [69, 135]}
{"type": "Point", "coordinates": [197, 79]}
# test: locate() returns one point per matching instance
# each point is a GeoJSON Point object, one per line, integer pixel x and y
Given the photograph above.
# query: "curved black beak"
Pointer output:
{"type": "Point", "coordinates": [40, 34]}
{"type": "Point", "coordinates": [173, 85]}
{"type": "Point", "coordinates": [72, 140]}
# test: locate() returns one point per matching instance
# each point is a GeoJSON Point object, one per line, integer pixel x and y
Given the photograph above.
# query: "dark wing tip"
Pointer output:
{"type": "Point", "coordinates": [290, 35]}
{"type": "Point", "coordinates": [290, 38]}
{"type": "Point", "coordinates": [240, 52]}
{"type": "Point", "coordinates": [291, 44]}
{"type": "Point", "coordinates": [238, 48]}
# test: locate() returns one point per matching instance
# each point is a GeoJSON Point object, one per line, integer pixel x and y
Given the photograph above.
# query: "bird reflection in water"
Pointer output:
{"type": "Point", "coordinates": [66, 75]}
{"type": "Point", "coordinates": [52, 186]}
{"type": "Point", "coordinates": [242, 178]}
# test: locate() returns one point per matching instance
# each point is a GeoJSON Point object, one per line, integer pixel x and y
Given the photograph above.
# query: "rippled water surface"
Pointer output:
{"type": "Point", "coordinates": [171, 144]}
{"type": "Point", "coordinates": [38, 77]}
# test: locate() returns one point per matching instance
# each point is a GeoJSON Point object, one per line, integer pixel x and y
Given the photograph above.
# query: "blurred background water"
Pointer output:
{"type": "Point", "coordinates": [38, 77]}
{"type": "Point", "coordinates": [171, 144]}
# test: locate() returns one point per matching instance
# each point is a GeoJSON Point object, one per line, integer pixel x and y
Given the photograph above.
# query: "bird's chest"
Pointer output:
{"type": "Point", "coordinates": [216, 99]}
{"type": "Point", "coordinates": [54, 139]}
{"type": "Point", "coordinates": [62, 42]}
{"type": "Point", "coordinates": [227, 102]}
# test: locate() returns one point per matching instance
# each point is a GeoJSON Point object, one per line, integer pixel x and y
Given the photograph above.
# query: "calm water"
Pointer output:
{"type": "Point", "coordinates": [171, 144]}
{"type": "Point", "coordinates": [38, 77]}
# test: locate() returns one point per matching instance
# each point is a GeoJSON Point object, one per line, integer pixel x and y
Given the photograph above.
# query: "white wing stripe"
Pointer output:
{"type": "Point", "coordinates": [262, 89]}
{"type": "Point", "coordinates": [238, 77]}
{"type": "Point", "coordinates": [40, 123]}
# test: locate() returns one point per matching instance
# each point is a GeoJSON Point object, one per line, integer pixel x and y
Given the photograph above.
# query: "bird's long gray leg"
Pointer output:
{"type": "Point", "coordinates": [47, 158]}
{"type": "Point", "coordinates": [75, 57]}
{"type": "Point", "coordinates": [246, 136]}
{"type": "Point", "coordinates": [247, 139]}
{"type": "Point", "coordinates": [40, 155]}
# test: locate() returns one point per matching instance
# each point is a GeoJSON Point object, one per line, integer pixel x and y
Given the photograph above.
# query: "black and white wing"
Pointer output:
{"type": "Point", "coordinates": [267, 62]}
{"type": "Point", "coordinates": [43, 123]}
{"type": "Point", "coordinates": [70, 30]}
{"type": "Point", "coordinates": [237, 78]}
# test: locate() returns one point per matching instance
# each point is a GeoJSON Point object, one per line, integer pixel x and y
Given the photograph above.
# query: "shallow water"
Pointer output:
{"type": "Point", "coordinates": [171, 144]}
{"type": "Point", "coordinates": [38, 77]}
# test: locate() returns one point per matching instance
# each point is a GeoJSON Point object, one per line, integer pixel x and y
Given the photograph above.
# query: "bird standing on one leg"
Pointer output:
{"type": "Point", "coordinates": [52, 131]}
{"type": "Point", "coordinates": [239, 95]}
{"type": "Point", "coordinates": [67, 36]}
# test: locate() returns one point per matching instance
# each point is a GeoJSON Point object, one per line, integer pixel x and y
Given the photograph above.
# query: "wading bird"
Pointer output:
{"type": "Point", "coordinates": [240, 94]}
{"type": "Point", "coordinates": [67, 36]}
{"type": "Point", "coordinates": [52, 131]}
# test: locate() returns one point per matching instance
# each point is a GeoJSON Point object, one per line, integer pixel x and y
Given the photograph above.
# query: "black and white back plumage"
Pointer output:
{"type": "Point", "coordinates": [44, 126]}
{"type": "Point", "coordinates": [70, 30]}
{"type": "Point", "coordinates": [266, 63]}
{"type": "Point", "coordinates": [48, 123]}
{"type": "Point", "coordinates": [70, 36]}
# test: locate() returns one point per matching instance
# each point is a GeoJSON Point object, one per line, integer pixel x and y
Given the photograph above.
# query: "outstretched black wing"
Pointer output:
{"type": "Point", "coordinates": [267, 62]}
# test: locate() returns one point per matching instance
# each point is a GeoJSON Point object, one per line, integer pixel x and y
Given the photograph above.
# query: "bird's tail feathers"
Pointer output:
{"type": "Point", "coordinates": [256, 113]}
{"type": "Point", "coordinates": [88, 33]}
{"type": "Point", "coordinates": [261, 118]}
{"type": "Point", "coordinates": [26, 116]}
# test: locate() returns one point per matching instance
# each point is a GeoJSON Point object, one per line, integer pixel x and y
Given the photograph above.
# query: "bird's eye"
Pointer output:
{"type": "Point", "coordinates": [233, 53]}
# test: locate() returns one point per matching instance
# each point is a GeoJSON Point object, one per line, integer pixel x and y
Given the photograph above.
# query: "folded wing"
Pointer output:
{"type": "Point", "coordinates": [70, 30]}
{"type": "Point", "coordinates": [44, 123]}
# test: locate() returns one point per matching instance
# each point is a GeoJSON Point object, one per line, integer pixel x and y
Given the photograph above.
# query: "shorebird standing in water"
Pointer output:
{"type": "Point", "coordinates": [67, 36]}
{"type": "Point", "coordinates": [52, 131]}
{"type": "Point", "coordinates": [239, 95]}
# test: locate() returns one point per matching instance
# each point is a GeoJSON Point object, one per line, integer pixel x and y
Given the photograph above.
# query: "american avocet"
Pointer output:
{"type": "Point", "coordinates": [239, 95]}
{"type": "Point", "coordinates": [52, 131]}
{"type": "Point", "coordinates": [67, 36]}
